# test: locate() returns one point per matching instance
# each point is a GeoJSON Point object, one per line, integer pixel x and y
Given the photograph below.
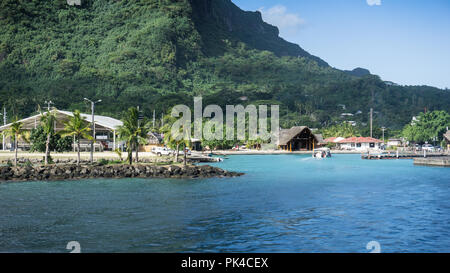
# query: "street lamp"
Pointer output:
{"type": "Point", "coordinates": [49, 103]}
{"type": "Point", "coordinates": [383, 129]}
{"type": "Point", "coordinates": [93, 126]}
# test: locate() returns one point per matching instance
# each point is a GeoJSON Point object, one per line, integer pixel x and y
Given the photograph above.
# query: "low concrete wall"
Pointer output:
{"type": "Point", "coordinates": [434, 161]}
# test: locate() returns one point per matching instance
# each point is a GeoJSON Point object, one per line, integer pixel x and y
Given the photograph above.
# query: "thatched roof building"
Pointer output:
{"type": "Point", "coordinates": [299, 138]}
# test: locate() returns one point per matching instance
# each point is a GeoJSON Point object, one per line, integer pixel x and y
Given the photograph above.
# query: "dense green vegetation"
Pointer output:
{"type": "Point", "coordinates": [158, 53]}
{"type": "Point", "coordinates": [38, 139]}
{"type": "Point", "coordinates": [428, 127]}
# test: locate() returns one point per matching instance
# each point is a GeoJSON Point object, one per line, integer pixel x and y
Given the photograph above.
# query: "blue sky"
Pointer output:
{"type": "Point", "coordinates": [404, 41]}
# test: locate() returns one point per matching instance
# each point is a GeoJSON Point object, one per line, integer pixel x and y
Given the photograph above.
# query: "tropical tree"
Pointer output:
{"type": "Point", "coordinates": [78, 128]}
{"type": "Point", "coordinates": [427, 127]}
{"type": "Point", "coordinates": [48, 121]}
{"type": "Point", "coordinates": [38, 138]}
{"type": "Point", "coordinates": [341, 130]}
{"type": "Point", "coordinates": [16, 132]}
{"type": "Point", "coordinates": [132, 133]}
{"type": "Point", "coordinates": [175, 139]}
{"type": "Point", "coordinates": [142, 136]}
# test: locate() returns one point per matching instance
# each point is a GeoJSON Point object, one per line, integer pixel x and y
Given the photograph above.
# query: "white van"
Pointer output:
{"type": "Point", "coordinates": [160, 151]}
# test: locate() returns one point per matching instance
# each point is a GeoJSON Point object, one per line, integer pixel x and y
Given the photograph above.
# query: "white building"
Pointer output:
{"type": "Point", "coordinates": [360, 144]}
{"type": "Point", "coordinates": [74, 2]}
{"type": "Point", "coordinates": [394, 142]}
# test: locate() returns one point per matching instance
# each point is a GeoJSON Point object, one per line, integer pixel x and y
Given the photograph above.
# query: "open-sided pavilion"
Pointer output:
{"type": "Point", "coordinates": [105, 127]}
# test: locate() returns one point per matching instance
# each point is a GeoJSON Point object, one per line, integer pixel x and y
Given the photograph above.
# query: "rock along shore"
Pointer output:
{"type": "Point", "coordinates": [74, 172]}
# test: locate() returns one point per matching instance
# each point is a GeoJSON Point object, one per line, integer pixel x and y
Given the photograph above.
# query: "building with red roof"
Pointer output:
{"type": "Point", "coordinates": [360, 143]}
{"type": "Point", "coordinates": [334, 139]}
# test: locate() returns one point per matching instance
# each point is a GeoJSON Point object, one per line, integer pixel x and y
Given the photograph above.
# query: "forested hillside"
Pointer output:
{"type": "Point", "coordinates": [158, 53]}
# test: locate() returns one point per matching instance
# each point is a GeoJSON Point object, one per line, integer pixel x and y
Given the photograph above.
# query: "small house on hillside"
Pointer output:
{"type": "Point", "coordinates": [74, 2]}
{"type": "Point", "coordinates": [299, 138]}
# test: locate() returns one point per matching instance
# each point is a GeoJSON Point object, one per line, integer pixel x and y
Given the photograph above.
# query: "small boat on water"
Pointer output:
{"type": "Point", "coordinates": [322, 153]}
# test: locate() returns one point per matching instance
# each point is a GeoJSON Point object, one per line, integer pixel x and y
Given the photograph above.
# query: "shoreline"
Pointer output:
{"type": "Point", "coordinates": [276, 152]}
{"type": "Point", "coordinates": [114, 171]}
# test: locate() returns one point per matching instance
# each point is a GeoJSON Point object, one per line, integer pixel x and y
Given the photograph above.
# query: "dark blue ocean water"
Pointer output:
{"type": "Point", "coordinates": [284, 203]}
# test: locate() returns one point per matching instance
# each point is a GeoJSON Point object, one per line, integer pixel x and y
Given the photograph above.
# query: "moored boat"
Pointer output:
{"type": "Point", "coordinates": [322, 153]}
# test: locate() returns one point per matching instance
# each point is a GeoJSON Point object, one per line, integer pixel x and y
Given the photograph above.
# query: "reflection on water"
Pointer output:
{"type": "Point", "coordinates": [284, 203]}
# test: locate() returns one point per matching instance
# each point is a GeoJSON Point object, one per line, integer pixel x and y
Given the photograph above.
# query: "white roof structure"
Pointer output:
{"type": "Point", "coordinates": [103, 121]}
{"type": "Point", "coordinates": [107, 122]}
{"type": "Point", "coordinates": [338, 139]}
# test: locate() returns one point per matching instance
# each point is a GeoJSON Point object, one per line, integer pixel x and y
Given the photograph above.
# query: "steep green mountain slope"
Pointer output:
{"type": "Point", "coordinates": [158, 53]}
{"type": "Point", "coordinates": [217, 21]}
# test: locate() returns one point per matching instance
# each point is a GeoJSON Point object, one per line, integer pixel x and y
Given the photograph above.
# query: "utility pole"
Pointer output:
{"type": "Point", "coordinates": [154, 112]}
{"type": "Point", "coordinates": [93, 126]}
{"type": "Point", "coordinates": [383, 129]}
{"type": "Point", "coordinates": [139, 117]}
{"type": "Point", "coordinates": [371, 122]}
{"type": "Point", "coordinates": [4, 123]}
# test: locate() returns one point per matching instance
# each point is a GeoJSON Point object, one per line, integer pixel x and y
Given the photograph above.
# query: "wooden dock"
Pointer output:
{"type": "Point", "coordinates": [402, 156]}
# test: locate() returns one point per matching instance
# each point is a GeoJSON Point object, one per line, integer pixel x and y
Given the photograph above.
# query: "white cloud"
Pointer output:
{"type": "Point", "coordinates": [374, 2]}
{"type": "Point", "coordinates": [279, 16]}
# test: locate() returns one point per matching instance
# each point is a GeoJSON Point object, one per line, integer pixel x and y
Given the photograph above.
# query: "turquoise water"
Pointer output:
{"type": "Point", "coordinates": [284, 203]}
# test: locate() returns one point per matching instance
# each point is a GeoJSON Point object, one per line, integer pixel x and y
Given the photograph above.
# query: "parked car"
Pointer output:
{"type": "Point", "coordinates": [182, 152]}
{"type": "Point", "coordinates": [160, 151]}
{"type": "Point", "coordinates": [417, 147]}
{"type": "Point", "coordinates": [428, 148]}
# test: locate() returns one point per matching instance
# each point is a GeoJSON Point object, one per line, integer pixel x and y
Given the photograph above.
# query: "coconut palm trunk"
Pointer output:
{"type": "Point", "coordinates": [78, 152]}
{"type": "Point", "coordinates": [177, 153]}
{"type": "Point", "coordinates": [137, 152]}
{"type": "Point", "coordinates": [130, 154]}
{"type": "Point", "coordinates": [47, 149]}
{"type": "Point", "coordinates": [185, 157]}
{"type": "Point", "coordinates": [15, 149]}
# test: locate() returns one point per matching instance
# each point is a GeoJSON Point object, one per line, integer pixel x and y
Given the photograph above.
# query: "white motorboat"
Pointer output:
{"type": "Point", "coordinates": [322, 153]}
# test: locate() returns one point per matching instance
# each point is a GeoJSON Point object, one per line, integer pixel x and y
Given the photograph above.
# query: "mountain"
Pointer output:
{"type": "Point", "coordinates": [358, 72]}
{"type": "Point", "coordinates": [159, 53]}
{"type": "Point", "coordinates": [226, 21]}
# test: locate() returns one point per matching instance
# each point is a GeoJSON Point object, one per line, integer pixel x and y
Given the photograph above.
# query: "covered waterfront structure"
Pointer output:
{"type": "Point", "coordinates": [447, 139]}
{"type": "Point", "coordinates": [105, 127]}
{"type": "Point", "coordinates": [299, 138]}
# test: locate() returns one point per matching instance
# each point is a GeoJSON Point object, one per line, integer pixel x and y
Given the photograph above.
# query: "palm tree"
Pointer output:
{"type": "Point", "coordinates": [48, 124]}
{"type": "Point", "coordinates": [77, 127]}
{"type": "Point", "coordinates": [142, 137]}
{"type": "Point", "coordinates": [132, 133]}
{"type": "Point", "coordinates": [15, 131]}
{"type": "Point", "coordinates": [175, 139]}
